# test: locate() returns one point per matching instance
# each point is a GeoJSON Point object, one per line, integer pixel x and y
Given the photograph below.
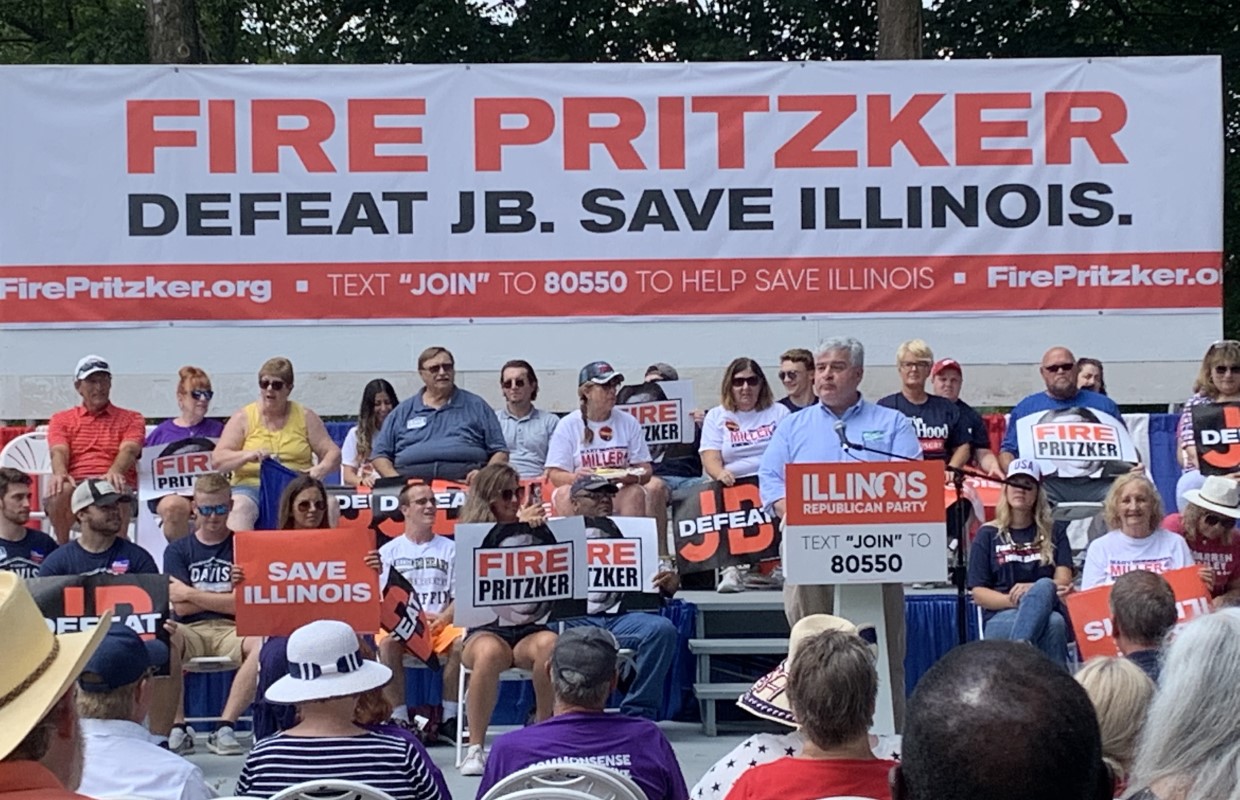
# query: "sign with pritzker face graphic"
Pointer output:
{"type": "Point", "coordinates": [872, 522]}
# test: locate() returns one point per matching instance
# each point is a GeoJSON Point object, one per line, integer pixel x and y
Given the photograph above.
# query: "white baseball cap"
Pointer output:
{"type": "Point", "coordinates": [89, 365]}
{"type": "Point", "coordinates": [1025, 466]}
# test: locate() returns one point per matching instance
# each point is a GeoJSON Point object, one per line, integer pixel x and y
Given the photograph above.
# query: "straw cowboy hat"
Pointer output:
{"type": "Point", "coordinates": [768, 697]}
{"type": "Point", "coordinates": [324, 662]}
{"type": "Point", "coordinates": [37, 667]}
{"type": "Point", "coordinates": [1218, 494]}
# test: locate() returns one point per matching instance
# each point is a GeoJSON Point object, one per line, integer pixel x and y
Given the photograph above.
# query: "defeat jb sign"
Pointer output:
{"type": "Point", "coordinates": [865, 523]}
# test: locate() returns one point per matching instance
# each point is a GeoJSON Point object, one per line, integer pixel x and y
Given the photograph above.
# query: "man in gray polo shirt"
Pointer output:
{"type": "Point", "coordinates": [442, 431]}
{"type": "Point", "coordinates": [527, 430]}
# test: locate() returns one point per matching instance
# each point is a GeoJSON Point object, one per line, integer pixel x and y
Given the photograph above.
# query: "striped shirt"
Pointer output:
{"type": "Point", "coordinates": [375, 759]}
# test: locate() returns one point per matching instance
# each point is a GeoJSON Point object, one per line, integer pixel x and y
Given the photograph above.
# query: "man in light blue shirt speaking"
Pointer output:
{"type": "Point", "coordinates": [811, 437]}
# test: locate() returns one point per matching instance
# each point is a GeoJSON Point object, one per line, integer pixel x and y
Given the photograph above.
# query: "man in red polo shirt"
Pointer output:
{"type": "Point", "coordinates": [93, 440]}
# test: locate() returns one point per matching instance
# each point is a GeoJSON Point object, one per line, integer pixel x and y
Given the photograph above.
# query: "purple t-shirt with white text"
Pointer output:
{"type": "Point", "coordinates": [629, 745]}
{"type": "Point", "coordinates": [168, 432]}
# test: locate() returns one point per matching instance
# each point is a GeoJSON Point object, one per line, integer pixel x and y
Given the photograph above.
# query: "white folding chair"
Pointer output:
{"type": "Point", "coordinates": [598, 783]}
{"type": "Point", "coordinates": [462, 724]}
{"type": "Point", "coordinates": [331, 789]}
{"type": "Point", "coordinates": [29, 453]}
{"type": "Point", "coordinates": [557, 793]}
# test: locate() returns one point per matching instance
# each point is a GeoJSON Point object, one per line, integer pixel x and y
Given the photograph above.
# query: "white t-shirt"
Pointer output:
{"type": "Point", "coordinates": [741, 436]}
{"type": "Point", "coordinates": [618, 442]}
{"type": "Point", "coordinates": [348, 450]}
{"type": "Point", "coordinates": [430, 568]}
{"type": "Point", "coordinates": [1116, 553]}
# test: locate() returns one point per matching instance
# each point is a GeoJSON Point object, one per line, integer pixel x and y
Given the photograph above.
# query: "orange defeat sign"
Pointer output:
{"type": "Point", "coordinates": [865, 493]}
{"type": "Point", "coordinates": [295, 577]}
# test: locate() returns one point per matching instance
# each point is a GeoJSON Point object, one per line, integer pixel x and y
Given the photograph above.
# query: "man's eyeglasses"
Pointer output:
{"type": "Point", "coordinates": [423, 501]}
{"type": "Point", "coordinates": [1054, 368]}
{"type": "Point", "coordinates": [437, 368]}
{"type": "Point", "coordinates": [749, 380]}
{"type": "Point", "coordinates": [507, 495]}
{"type": "Point", "coordinates": [1215, 519]}
{"type": "Point", "coordinates": [791, 375]}
{"type": "Point", "coordinates": [213, 511]}
{"type": "Point", "coordinates": [273, 385]}
{"type": "Point", "coordinates": [202, 394]}
{"type": "Point", "coordinates": [514, 383]}
{"type": "Point", "coordinates": [311, 505]}
{"type": "Point", "coordinates": [1223, 369]}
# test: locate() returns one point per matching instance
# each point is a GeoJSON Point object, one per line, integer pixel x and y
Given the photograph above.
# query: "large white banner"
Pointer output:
{"type": "Point", "coordinates": [268, 194]}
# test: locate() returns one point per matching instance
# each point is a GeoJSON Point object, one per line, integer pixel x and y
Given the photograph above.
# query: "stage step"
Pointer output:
{"type": "Point", "coordinates": [720, 691]}
{"type": "Point", "coordinates": [737, 646]}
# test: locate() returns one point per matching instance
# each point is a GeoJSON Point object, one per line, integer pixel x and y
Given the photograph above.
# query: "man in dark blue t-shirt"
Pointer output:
{"type": "Point", "coordinates": [22, 549]}
{"type": "Point", "coordinates": [947, 377]}
{"type": "Point", "coordinates": [204, 605]}
{"type": "Point", "coordinates": [97, 507]}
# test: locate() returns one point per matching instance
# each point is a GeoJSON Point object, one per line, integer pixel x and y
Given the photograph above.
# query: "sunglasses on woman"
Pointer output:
{"type": "Point", "coordinates": [274, 385]}
{"type": "Point", "coordinates": [1215, 519]}
{"type": "Point", "coordinates": [752, 380]}
{"type": "Point", "coordinates": [1223, 369]}
{"type": "Point", "coordinates": [202, 394]}
{"type": "Point", "coordinates": [311, 505]}
{"type": "Point", "coordinates": [507, 495]}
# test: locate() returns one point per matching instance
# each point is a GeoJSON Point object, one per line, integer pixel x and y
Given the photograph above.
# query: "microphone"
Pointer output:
{"type": "Point", "coordinates": [839, 431]}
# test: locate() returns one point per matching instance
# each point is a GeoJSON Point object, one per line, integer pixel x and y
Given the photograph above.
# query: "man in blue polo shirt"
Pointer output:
{"type": "Point", "coordinates": [810, 436]}
{"type": "Point", "coordinates": [442, 431]}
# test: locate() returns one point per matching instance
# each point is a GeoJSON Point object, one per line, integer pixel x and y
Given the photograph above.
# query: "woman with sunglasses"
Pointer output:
{"type": "Point", "coordinates": [603, 439]}
{"type": "Point", "coordinates": [194, 401]}
{"type": "Point", "coordinates": [378, 400]}
{"type": "Point", "coordinates": [1020, 567]}
{"type": "Point", "coordinates": [1209, 523]}
{"type": "Point", "coordinates": [273, 427]}
{"type": "Point", "coordinates": [496, 495]}
{"type": "Point", "coordinates": [1218, 381]}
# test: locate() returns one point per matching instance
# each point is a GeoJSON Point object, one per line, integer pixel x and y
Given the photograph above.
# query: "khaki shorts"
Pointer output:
{"type": "Point", "coordinates": [212, 637]}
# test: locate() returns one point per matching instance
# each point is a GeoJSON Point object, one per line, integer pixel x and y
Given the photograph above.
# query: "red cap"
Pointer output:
{"type": "Point", "coordinates": [945, 363]}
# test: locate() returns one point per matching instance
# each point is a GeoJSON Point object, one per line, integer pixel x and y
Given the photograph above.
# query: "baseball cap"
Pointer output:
{"type": "Point", "coordinates": [1025, 466]}
{"type": "Point", "coordinates": [945, 363]}
{"type": "Point", "coordinates": [593, 483]}
{"type": "Point", "coordinates": [599, 372]}
{"type": "Point", "coordinates": [665, 371]}
{"type": "Point", "coordinates": [585, 656]}
{"type": "Point", "coordinates": [89, 365]}
{"type": "Point", "coordinates": [94, 492]}
{"type": "Point", "coordinates": [121, 659]}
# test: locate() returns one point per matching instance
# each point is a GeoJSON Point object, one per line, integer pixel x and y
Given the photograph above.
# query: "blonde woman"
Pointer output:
{"type": "Point", "coordinates": [1134, 513]}
{"type": "Point", "coordinates": [1121, 693]}
{"type": "Point", "coordinates": [1020, 568]}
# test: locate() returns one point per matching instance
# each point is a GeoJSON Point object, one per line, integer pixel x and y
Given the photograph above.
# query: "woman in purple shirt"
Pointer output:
{"type": "Point", "coordinates": [194, 399]}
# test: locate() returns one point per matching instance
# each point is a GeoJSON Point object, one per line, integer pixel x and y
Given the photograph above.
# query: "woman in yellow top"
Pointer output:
{"type": "Point", "coordinates": [274, 427]}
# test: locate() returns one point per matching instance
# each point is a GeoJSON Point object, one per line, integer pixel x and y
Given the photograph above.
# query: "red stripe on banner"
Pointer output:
{"type": "Point", "coordinates": [556, 289]}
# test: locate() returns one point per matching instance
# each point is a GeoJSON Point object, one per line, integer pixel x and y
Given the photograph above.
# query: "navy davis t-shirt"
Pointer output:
{"type": "Point", "coordinates": [936, 422]}
{"type": "Point", "coordinates": [998, 565]}
{"type": "Point", "coordinates": [122, 558]}
{"type": "Point", "coordinates": [979, 437]}
{"type": "Point", "coordinates": [25, 556]}
{"type": "Point", "coordinates": [206, 567]}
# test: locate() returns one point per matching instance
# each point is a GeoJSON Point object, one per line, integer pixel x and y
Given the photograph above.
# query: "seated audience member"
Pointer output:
{"type": "Point", "coordinates": [204, 604]}
{"type": "Point", "coordinates": [650, 635]}
{"type": "Point", "coordinates": [833, 688]}
{"type": "Point", "coordinates": [273, 427]}
{"type": "Point", "coordinates": [40, 738]}
{"type": "Point", "coordinates": [378, 400]}
{"type": "Point", "coordinates": [677, 465]}
{"type": "Point", "coordinates": [98, 508]}
{"type": "Point", "coordinates": [1020, 567]}
{"type": "Point", "coordinates": [497, 496]}
{"type": "Point", "coordinates": [442, 431]}
{"type": "Point", "coordinates": [23, 549]}
{"type": "Point", "coordinates": [527, 430]}
{"type": "Point", "coordinates": [947, 379]}
{"type": "Point", "coordinates": [936, 420]}
{"type": "Point", "coordinates": [1121, 693]}
{"type": "Point", "coordinates": [1218, 381]}
{"type": "Point", "coordinates": [326, 675]}
{"type": "Point", "coordinates": [428, 562]}
{"type": "Point", "coordinates": [1133, 511]}
{"type": "Point", "coordinates": [1209, 526]}
{"type": "Point", "coordinates": [605, 439]}
{"type": "Point", "coordinates": [114, 695]}
{"type": "Point", "coordinates": [1190, 747]}
{"type": "Point", "coordinates": [735, 435]}
{"type": "Point", "coordinates": [194, 401]}
{"type": "Point", "coordinates": [93, 440]}
{"type": "Point", "coordinates": [989, 720]}
{"type": "Point", "coordinates": [1089, 375]}
{"type": "Point", "coordinates": [583, 673]}
{"type": "Point", "coordinates": [768, 699]}
{"type": "Point", "coordinates": [1143, 612]}
{"type": "Point", "coordinates": [796, 373]}
{"type": "Point", "coordinates": [374, 713]}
